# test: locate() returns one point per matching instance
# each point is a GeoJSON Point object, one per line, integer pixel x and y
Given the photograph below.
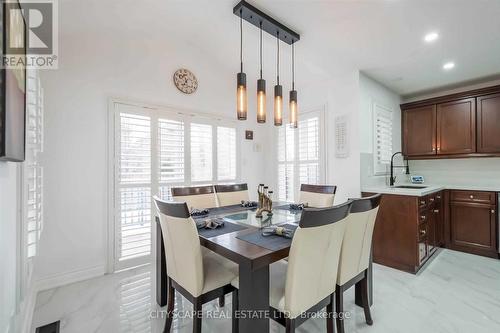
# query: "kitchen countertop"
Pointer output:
{"type": "Point", "coordinates": [430, 188]}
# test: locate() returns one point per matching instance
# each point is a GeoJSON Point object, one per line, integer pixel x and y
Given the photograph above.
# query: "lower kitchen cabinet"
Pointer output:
{"type": "Point", "coordinates": [473, 223]}
{"type": "Point", "coordinates": [408, 230]}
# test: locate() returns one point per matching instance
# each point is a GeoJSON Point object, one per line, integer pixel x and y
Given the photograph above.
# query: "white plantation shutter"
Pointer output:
{"type": "Point", "coordinates": [201, 152]}
{"type": "Point", "coordinates": [33, 172]}
{"type": "Point", "coordinates": [300, 155]}
{"type": "Point", "coordinates": [155, 150]}
{"type": "Point", "coordinates": [309, 151]}
{"type": "Point", "coordinates": [286, 158]}
{"type": "Point", "coordinates": [226, 153]}
{"type": "Point", "coordinates": [134, 174]}
{"type": "Point", "coordinates": [171, 156]}
{"type": "Point", "coordinates": [382, 132]}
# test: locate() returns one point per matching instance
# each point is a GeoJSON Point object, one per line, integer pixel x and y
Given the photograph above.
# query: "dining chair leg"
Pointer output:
{"type": "Point", "coordinates": [339, 307]}
{"type": "Point", "coordinates": [290, 325]}
{"type": "Point", "coordinates": [235, 323]}
{"type": "Point", "coordinates": [330, 315]}
{"type": "Point", "coordinates": [170, 305]}
{"type": "Point", "coordinates": [222, 301]}
{"type": "Point", "coordinates": [364, 299]}
{"type": "Point", "coordinates": [197, 315]}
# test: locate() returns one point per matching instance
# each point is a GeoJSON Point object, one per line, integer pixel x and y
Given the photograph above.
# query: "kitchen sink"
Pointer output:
{"type": "Point", "coordinates": [410, 186]}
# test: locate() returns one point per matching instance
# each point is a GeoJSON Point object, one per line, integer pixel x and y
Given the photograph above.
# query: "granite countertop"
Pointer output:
{"type": "Point", "coordinates": [429, 189]}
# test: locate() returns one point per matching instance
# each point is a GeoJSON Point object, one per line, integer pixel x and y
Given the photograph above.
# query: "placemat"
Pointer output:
{"type": "Point", "coordinates": [273, 242]}
{"type": "Point", "coordinates": [227, 228]}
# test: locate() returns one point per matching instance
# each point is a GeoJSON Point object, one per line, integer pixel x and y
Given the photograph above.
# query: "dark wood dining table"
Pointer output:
{"type": "Point", "coordinates": [253, 261]}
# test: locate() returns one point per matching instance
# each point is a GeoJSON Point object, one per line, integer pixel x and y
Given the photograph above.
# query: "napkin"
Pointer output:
{"type": "Point", "coordinates": [279, 231]}
{"type": "Point", "coordinates": [199, 212]}
{"type": "Point", "coordinates": [299, 206]}
{"type": "Point", "coordinates": [210, 223]}
{"type": "Point", "coordinates": [248, 203]}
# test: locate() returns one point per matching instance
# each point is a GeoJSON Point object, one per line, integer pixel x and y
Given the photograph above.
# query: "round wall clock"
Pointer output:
{"type": "Point", "coordinates": [185, 81]}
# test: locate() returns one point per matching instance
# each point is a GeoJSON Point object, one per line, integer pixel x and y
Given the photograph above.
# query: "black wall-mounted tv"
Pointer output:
{"type": "Point", "coordinates": [12, 85]}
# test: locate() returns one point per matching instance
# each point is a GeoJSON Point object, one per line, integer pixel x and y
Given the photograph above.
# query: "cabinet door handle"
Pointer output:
{"type": "Point", "coordinates": [422, 217]}
{"type": "Point", "coordinates": [492, 211]}
{"type": "Point", "coordinates": [438, 196]}
{"type": "Point", "coordinates": [431, 199]}
{"type": "Point", "coordinates": [422, 202]}
{"type": "Point", "coordinates": [422, 232]}
{"type": "Point", "coordinates": [436, 211]}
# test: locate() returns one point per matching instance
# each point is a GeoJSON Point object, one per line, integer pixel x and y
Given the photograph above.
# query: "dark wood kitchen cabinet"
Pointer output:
{"type": "Point", "coordinates": [488, 124]}
{"type": "Point", "coordinates": [419, 131]}
{"type": "Point", "coordinates": [408, 230]}
{"type": "Point", "coordinates": [456, 127]}
{"type": "Point", "coordinates": [473, 223]}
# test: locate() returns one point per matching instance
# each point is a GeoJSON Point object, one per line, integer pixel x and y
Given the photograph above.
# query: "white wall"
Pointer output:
{"type": "Point", "coordinates": [370, 92]}
{"type": "Point", "coordinates": [9, 220]}
{"type": "Point", "coordinates": [91, 70]}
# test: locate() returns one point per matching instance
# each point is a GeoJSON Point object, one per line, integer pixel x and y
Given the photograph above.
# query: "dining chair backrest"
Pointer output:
{"type": "Point", "coordinates": [318, 196]}
{"type": "Point", "coordinates": [314, 255]}
{"type": "Point", "coordinates": [356, 247]}
{"type": "Point", "coordinates": [228, 195]}
{"type": "Point", "coordinates": [199, 197]}
{"type": "Point", "coordinates": [182, 245]}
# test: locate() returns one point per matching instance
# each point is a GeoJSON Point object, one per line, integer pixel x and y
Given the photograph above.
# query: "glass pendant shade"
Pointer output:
{"type": "Point", "coordinates": [293, 109]}
{"type": "Point", "coordinates": [261, 101]}
{"type": "Point", "coordinates": [278, 105]}
{"type": "Point", "coordinates": [241, 96]}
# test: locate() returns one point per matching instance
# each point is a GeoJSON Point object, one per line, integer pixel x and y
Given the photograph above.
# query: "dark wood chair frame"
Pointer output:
{"type": "Point", "coordinates": [326, 189]}
{"type": "Point", "coordinates": [361, 282]}
{"type": "Point", "coordinates": [180, 210]}
{"type": "Point", "coordinates": [291, 324]}
{"type": "Point", "coordinates": [315, 217]}
{"type": "Point", "coordinates": [198, 303]}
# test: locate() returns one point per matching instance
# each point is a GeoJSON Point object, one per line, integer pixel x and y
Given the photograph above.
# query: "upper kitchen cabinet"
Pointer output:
{"type": "Point", "coordinates": [488, 124]}
{"type": "Point", "coordinates": [419, 131]}
{"type": "Point", "coordinates": [456, 127]}
{"type": "Point", "coordinates": [460, 125]}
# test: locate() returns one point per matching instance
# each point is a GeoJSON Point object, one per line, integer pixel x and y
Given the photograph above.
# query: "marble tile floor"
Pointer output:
{"type": "Point", "coordinates": [456, 292]}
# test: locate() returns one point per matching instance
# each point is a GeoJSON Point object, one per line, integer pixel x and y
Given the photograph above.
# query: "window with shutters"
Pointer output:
{"type": "Point", "coordinates": [300, 153]}
{"type": "Point", "coordinates": [32, 169]}
{"type": "Point", "coordinates": [382, 138]}
{"type": "Point", "coordinates": [157, 149]}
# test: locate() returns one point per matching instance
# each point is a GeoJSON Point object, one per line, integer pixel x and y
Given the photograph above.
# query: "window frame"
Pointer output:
{"type": "Point", "coordinates": [155, 113]}
{"type": "Point", "coordinates": [322, 159]}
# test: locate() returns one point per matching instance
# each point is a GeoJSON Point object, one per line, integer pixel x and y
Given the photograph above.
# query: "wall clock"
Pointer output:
{"type": "Point", "coordinates": [185, 81]}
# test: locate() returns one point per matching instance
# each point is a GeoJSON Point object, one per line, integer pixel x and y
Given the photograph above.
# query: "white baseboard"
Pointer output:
{"type": "Point", "coordinates": [70, 277]}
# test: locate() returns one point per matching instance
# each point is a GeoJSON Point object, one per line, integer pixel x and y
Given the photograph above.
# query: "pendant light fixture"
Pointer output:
{"type": "Point", "coordinates": [261, 89]}
{"type": "Point", "coordinates": [278, 89]}
{"type": "Point", "coordinates": [293, 94]}
{"type": "Point", "coordinates": [241, 81]}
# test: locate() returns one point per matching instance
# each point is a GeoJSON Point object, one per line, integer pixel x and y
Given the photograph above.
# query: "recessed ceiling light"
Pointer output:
{"type": "Point", "coordinates": [430, 37]}
{"type": "Point", "coordinates": [448, 65]}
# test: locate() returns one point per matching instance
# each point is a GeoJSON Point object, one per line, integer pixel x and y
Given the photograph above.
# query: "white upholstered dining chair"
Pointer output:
{"type": "Point", "coordinates": [307, 283]}
{"type": "Point", "coordinates": [318, 196]}
{"type": "Point", "coordinates": [199, 197]}
{"type": "Point", "coordinates": [355, 254]}
{"type": "Point", "coordinates": [197, 275]}
{"type": "Point", "coordinates": [228, 195]}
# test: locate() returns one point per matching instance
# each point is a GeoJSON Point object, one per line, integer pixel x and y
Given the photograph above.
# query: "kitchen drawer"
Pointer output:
{"type": "Point", "coordinates": [422, 202]}
{"type": "Point", "coordinates": [473, 196]}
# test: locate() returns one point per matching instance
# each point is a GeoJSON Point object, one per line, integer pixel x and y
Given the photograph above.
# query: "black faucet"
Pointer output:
{"type": "Point", "coordinates": [392, 178]}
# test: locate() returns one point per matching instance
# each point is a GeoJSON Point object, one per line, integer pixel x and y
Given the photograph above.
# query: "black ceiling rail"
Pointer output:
{"type": "Point", "coordinates": [253, 15]}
